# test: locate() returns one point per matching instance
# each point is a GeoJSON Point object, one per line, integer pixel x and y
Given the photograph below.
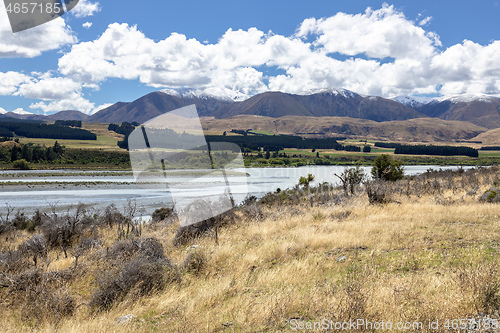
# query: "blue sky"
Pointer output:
{"type": "Point", "coordinates": [104, 52]}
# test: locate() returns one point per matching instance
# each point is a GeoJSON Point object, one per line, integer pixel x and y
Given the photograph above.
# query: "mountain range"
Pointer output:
{"type": "Point", "coordinates": [481, 110]}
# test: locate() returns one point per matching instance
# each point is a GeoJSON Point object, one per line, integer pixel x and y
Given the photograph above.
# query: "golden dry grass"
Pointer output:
{"type": "Point", "coordinates": [424, 258]}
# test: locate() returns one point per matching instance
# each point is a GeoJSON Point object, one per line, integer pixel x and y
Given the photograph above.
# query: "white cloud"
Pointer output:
{"type": "Point", "coordinates": [87, 25]}
{"type": "Point", "coordinates": [425, 21]}
{"type": "Point", "coordinates": [100, 107]}
{"type": "Point", "coordinates": [85, 8]}
{"type": "Point", "coordinates": [48, 88]}
{"type": "Point", "coordinates": [32, 42]}
{"type": "Point", "coordinates": [73, 102]}
{"type": "Point", "coordinates": [387, 55]}
{"type": "Point", "coordinates": [10, 81]}
{"type": "Point", "coordinates": [376, 33]}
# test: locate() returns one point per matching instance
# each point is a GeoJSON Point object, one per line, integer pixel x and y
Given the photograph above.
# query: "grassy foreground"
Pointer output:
{"type": "Point", "coordinates": [429, 250]}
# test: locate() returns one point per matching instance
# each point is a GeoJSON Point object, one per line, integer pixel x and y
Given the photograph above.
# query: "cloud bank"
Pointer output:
{"type": "Point", "coordinates": [378, 52]}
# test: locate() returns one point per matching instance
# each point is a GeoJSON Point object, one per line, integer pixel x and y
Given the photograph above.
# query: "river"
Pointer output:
{"type": "Point", "coordinates": [43, 189]}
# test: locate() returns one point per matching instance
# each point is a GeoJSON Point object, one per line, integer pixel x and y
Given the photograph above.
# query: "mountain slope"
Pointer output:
{"type": "Point", "coordinates": [153, 105]}
{"type": "Point", "coordinates": [324, 103]}
{"type": "Point", "coordinates": [476, 109]}
{"type": "Point", "coordinates": [412, 130]}
{"type": "Point", "coordinates": [268, 104]}
{"type": "Point", "coordinates": [344, 103]}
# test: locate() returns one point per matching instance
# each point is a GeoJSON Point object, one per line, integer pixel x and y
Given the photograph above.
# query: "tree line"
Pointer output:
{"type": "Point", "coordinates": [280, 142]}
{"type": "Point", "coordinates": [70, 123]}
{"type": "Point", "coordinates": [436, 150]}
{"type": "Point", "coordinates": [125, 129]}
{"type": "Point", "coordinates": [490, 148]}
{"type": "Point", "coordinates": [31, 153]}
{"type": "Point", "coordinates": [44, 131]}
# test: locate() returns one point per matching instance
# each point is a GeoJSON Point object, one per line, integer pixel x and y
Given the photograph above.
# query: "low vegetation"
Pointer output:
{"type": "Point", "coordinates": [416, 249]}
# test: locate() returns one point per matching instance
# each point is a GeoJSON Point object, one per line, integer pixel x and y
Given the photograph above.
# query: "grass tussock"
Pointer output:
{"type": "Point", "coordinates": [429, 251]}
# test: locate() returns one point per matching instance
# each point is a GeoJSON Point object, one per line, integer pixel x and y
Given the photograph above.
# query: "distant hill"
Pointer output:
{"type": "Point", "coordinates": [155, 104]}
{"type": "Point", "coordinates": [68, 115]}
{"type": "Point", "coordinates": [489, 138]}
{"type": "Point", "coordinates": [413, 130]}
{"type": "Point", "coordinates": [481, 110]}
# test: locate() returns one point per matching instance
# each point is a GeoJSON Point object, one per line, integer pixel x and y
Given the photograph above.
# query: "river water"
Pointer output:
{"type": "Point", "coordinates": [42, 189]}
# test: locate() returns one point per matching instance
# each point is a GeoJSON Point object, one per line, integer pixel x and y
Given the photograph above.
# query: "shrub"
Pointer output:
{"type": "Point", "coordinates": [21, 165]}
{"type": "Point", "coordinates": [34, 247]}
{"type": "Point", "coordinates": [42, 296]}
{"type": "Point", "coordinates": [148, 247]}
{"type": "Point", "coordinates": [21, 222]}
{"type": "Point", "coordinates": [140, 267]}
{"type": "Point", "coordinates": [161, 213]}
{"type": "Point", "coordinates": [194, 263]}
{"type": "Point", "coordinates": [492, 196]}
{"type": "Point", "coordinates": [386, 168]}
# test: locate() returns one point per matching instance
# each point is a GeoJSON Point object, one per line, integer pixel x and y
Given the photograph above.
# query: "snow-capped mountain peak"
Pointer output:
{"type": "Point", "coordinates": [333, 91]}
{"type": "Point", "coordinates": [21, 112]}
{"type": "Point", "coordinates": [468, 98]}
{"type": "Point", "coordinates": [3, 111]}
{"type": "Point", "coordinates": [413, 101]}
{"type": "Point", "coordinates": [219, 93]}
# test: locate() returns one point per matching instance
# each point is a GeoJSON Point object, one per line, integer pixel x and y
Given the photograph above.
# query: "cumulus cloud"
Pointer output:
{"type": "Point", "coordinates": [10, 81]}
{"type": "Point", "coordinates": [87, 25]}
{"type": "Point", "coordinates": [48, 88]}
{"type": "Point", "coordinates": [378, 52]}
{"type": "Point", "coordinates": [73, 102]}
{"type": "Point", "coordinates": [86, 8]}
{"type": "Point", "coordinates": [376, 33]}
{"type": "Point", "coordinates": [32, 42]}
{"type": "Point", "coordinates": [237, 59]}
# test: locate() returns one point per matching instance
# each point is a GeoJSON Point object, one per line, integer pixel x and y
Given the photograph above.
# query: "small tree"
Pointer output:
{"type": "Point", "coordinates": [367, 149]}
{"type": "Point", "coordinates": [305, 181]}
{"type": "Point", "coordinates": [387, 168]}
{"type": "Point", "coordinates": [350, 178]}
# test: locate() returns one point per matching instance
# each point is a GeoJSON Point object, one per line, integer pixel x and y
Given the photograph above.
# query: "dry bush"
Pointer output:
{"type": "Point", "coordinates": [194, 262]}
{"type": "Point", "coordinates": [161, 214]}
{"type": "Point", "coordinates": [63, 230]}
{"type": "Point", "coordinates": [139, 267]}
{"type": "Point", "coordinates": [190, 232]}
{"type": "Point", "coordinates": [377, 192]}
{"type": "Point", "coordinates": [42, 296]}
{"type": "Point", "coordinates": [140, 274]}
{"type": "Point", "coordinates": [34, 247]}
{"type": "Point", "coordinates": [126, 249]}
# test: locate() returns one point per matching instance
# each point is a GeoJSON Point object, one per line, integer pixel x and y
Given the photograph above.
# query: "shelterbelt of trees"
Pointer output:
{"type": "Point", "coordinates": [44, 131]}
{"type": "Point", "coordinates": [429, 149]}
{"type": "Point", "coordinates": [29, 155]}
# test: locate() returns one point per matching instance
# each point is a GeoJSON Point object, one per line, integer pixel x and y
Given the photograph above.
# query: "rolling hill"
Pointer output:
{"type": "Point", "coordinates": [413, 130]}
{"type": "Point", "coordinates": [481, 110]}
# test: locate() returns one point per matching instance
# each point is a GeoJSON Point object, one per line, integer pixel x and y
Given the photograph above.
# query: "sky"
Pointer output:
{"type": "Point", "coordinates": [103, 52]}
